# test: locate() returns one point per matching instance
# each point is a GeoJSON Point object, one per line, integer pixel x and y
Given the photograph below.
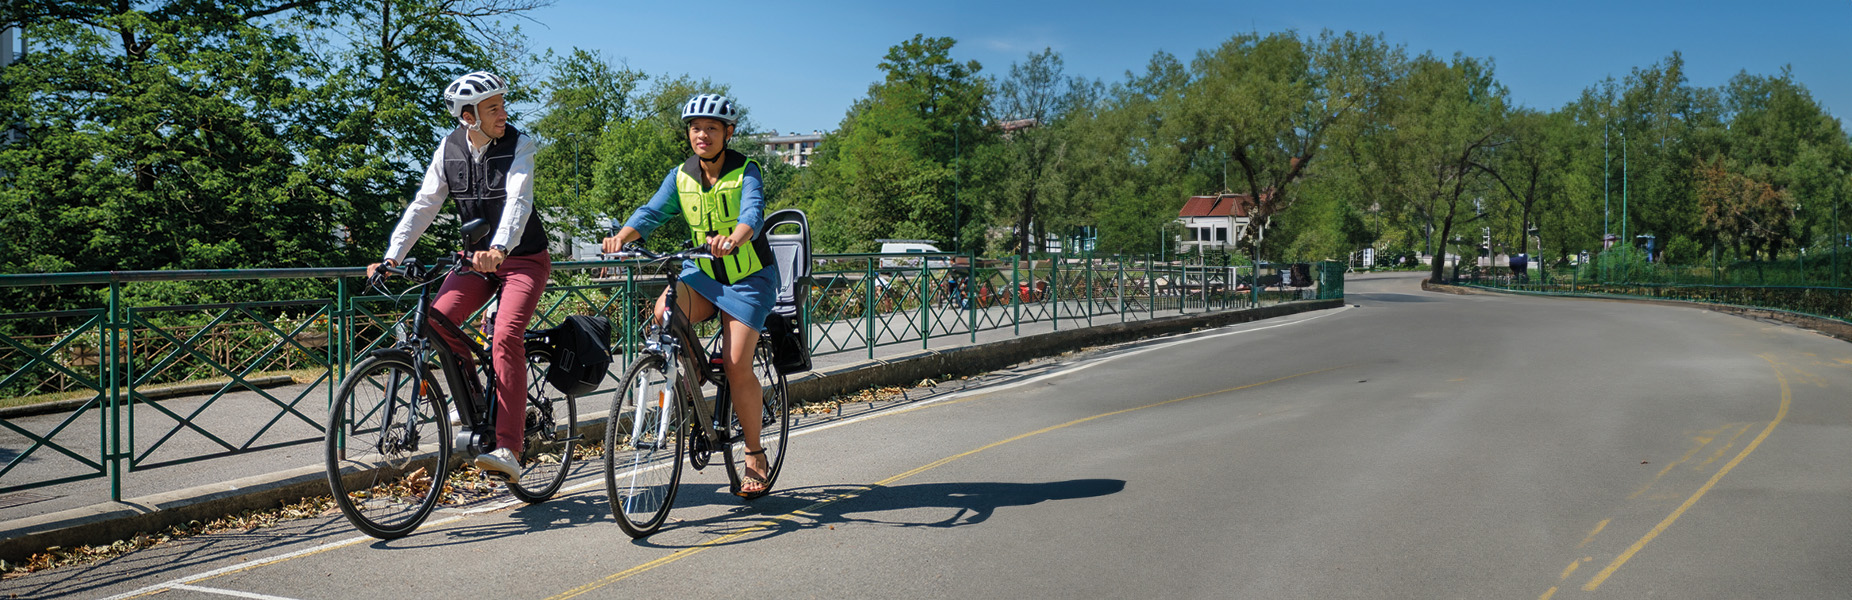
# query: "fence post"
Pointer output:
{"type": "Point", "coordinates": [1119, 286]}
{"type": "Point", "coordinates": [341, 336]}
{"type": "Point", "coordinates": [973, 294]}
{"type": "Point", "coordinates": [112, 429]}
{"type": "Point", "coordinates": [1016, 293]}
{"type": "Point", "coordinates": [627, 317]}
{"type": "Point", "coordinates": [868, 307]}
{"type": "Point", "coordinates": [925, 297]}
{"type": "Point", "coordinates": [1150, 289]}
{"type": "Point", "coordinates": [1086, 279]}
{"type": "Point", "coordinates": [1054, 288]}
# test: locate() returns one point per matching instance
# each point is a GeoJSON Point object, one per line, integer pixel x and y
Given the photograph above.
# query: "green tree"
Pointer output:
{"type": "Point", "coordinates": [889, 170]}
{"type": "Point", "coordinates": [581, 95]}
{"type": "Point", "coordinates": [1264, 105]}
{"type": "Point", "coordinates": [1448, 118]}
{"type": "Point", "coordinates": [1032, 170]}
{"type": "Point", "coordinates": [158, 135]}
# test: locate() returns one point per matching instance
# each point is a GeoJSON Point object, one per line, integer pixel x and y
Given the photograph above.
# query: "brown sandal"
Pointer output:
{"type": "Point", "coordinates": [765, 487]}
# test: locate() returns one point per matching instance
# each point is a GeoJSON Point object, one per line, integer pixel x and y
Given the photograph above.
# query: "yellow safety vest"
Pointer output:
{"type": "Point", "coordinates": [716, 211]}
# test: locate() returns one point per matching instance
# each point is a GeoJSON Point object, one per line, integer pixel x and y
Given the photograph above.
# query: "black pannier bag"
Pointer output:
{"type": "Point", "coordinates": [581, 354]}
{"type": "Point", "coordinates": [788, 233]}
{"type": "Point", "coordinates": [790, 354]}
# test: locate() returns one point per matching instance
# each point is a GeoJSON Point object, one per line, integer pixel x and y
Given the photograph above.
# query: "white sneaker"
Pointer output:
{"type": "Point", "coordinates": [501, 462]}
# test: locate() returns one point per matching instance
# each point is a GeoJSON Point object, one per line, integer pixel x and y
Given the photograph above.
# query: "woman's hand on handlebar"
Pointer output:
{"type": "Point", "coordinates": [622, 238]}
{"type": "Point", "coordinates": [721, 245]}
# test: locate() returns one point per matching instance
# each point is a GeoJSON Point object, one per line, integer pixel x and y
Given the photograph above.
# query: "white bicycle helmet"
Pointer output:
{"type": "Point", "coordinates": [712, 106]}
{"type": "Point", "coordinates": [471, 89]}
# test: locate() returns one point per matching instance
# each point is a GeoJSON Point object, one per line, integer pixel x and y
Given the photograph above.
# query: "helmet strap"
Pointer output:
{"type": "Point", "coordinates": [720, 155]}
{"type": "Point", "coordinates": [476, 126]}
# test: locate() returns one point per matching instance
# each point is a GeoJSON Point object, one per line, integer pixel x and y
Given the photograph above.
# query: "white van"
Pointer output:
{"type": "Point", "coordinates": [911, 247]}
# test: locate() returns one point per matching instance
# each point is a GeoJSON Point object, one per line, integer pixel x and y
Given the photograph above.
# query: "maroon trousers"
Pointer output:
{"type": "Point", "coordinates": [523, 279]}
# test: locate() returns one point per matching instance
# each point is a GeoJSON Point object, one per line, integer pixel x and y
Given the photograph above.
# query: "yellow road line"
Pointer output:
{"type": "Point", "coordinates": [1786, 398]}
{"type": "Point", "coordinates": [793, 516]}
{"type": "Point", "coordinates": [1547, 594]}
{"type": "Point", "coordinates": [1703, 439]}
{"type": "Point", "coordinates": [1591, 535]}
{"type": "Point", "coordinates": [1726, 446]}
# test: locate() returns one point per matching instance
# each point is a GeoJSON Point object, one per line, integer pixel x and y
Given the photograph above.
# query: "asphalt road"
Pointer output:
{"type": "Point", "coordinates": [1416, 445]}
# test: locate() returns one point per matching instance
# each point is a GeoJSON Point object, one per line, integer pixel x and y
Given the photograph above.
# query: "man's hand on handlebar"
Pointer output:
{"type": "Point", "coordinates": [375, 275]}
{"type": "Point", "coordinates": [487, 261]}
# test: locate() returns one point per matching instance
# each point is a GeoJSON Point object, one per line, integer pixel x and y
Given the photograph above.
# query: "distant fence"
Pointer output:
{"type": "Point", "coordinates": [1829, 302]}
{"type": "Point", "coordinates": [102, 367]}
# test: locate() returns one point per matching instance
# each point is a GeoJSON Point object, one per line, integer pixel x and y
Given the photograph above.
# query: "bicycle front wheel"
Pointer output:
{"type": "Point", "coordinates": [774, 424]}
{"type": "Point", "coordinates": [547, 454]}
{"type": "Point", "coordinates": [387, 447]}
{"type": "Point", "coordinates": [643, 446]}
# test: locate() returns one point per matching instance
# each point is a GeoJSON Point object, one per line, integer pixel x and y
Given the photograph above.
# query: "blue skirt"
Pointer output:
{"type": "Point", "coordinates": [748, 300]}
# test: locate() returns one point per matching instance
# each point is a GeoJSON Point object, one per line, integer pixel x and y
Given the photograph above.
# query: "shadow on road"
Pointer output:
{"type": "Point", "coordinates": [177, 558]}
{"type": "Point", "coordinates": [921, 505]}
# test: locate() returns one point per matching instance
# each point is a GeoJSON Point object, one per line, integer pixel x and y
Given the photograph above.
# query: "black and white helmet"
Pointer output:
{"type": "Point", "coordinates": [471, 89]}
{"type": "Point", "coordinates": [712, 106]}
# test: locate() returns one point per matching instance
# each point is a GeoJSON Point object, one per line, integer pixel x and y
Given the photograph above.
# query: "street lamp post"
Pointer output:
{"type": "Point", "coordinates": [1623, 184]}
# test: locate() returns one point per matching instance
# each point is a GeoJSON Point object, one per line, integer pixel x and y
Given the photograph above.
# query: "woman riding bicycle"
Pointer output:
{"type": "Point", "coordinates": [487, 166]}
{"type": "Point", "coordinates": [718, 192]}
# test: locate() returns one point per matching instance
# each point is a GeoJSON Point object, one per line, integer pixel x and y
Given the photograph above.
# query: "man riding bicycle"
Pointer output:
{"type": "Point", "coordinates": [719, 193]}
{"type": "Point", "coordinates": [487, 166]}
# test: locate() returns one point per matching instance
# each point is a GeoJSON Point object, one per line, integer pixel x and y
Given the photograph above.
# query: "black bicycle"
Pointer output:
{"type": "Point", "coordinates": [390, 438]}
{"type": "Point", "coordinates": [659, 414]}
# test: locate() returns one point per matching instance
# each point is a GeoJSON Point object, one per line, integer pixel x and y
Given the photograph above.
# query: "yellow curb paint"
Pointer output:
{"type": "Point", "coordinates": [1780, 413]}
{"type": "Point", "coordinates": [791, 516]}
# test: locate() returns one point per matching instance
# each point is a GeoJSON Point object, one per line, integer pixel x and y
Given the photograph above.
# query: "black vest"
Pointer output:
{"type": "Point", "coordinates": [481, 188]}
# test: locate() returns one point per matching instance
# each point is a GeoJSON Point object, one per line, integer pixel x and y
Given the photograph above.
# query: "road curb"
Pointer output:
{"type": "Point", "coordinates": [111, 521]}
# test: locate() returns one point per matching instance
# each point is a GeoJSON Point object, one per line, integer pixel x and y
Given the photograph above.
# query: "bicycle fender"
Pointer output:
{"type": "Point", "coordinates": [398, 353]}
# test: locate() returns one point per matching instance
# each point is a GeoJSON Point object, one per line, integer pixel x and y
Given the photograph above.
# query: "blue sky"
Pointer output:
{"type": "Point", "coordinates": [799, 65]}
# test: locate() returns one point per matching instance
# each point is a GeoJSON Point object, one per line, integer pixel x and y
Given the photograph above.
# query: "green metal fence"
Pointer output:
{"type": "Point", "coordinates": [1810, 300]}
{"type": "Point", "coordinates": [107, 370]}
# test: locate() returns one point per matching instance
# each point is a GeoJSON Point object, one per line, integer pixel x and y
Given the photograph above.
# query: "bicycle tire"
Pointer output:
{"type": "Point", "coordinates": [775, 424]}
{"type": "Point", "coordinates": [643, 456]}
{"type": "Point", "coordinates": [386, 473]}
{"type": "Point", "coordinates": [547, 453]}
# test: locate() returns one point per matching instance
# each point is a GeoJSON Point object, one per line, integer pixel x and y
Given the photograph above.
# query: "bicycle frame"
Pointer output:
{"type": "Point", "coordinates": [477, 403]}
{"type": "Point", "coordinates": [675, 337]}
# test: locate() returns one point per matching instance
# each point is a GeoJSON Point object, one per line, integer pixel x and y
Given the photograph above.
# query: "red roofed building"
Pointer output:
{"type": "Point", "coordinates": [1215, 221]}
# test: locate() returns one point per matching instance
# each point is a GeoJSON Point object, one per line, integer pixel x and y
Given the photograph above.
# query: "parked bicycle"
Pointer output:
{"type": "Point", "coordinates": [659, 414]}
{"type": "Point", "coordinates": [390, 437]}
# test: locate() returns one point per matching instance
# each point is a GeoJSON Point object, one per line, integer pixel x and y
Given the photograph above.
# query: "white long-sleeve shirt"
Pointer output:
{"type": "Point", "coordinates": [429, 200]}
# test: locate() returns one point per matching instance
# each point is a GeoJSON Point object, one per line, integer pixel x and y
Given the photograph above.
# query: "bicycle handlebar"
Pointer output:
{"type": "Point", "coordinates": [635, 251]}
{"type": "Point", "coordinates": [420, 273]}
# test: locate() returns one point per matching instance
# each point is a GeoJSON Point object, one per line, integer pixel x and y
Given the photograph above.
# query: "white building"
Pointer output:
{"type": "Point", "coordinates": [1214, 222]}
{"type": "Point", "coordinates": [794, 149]}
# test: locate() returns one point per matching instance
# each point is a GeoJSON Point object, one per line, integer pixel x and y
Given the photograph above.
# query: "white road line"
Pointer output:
{"type": "Point", "coordinates": [233, 593]}
{"type": "Point", "coordinates": [256, 563]}
{"type": "Point", "coordinates": [181, 583]}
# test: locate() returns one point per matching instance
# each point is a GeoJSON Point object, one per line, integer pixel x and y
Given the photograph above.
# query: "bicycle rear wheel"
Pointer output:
{"type": "Point", "coordinates": [547, 454]}
{"type": "Point", "coordinates": [645, 437]}
{"type": "Point", "coordinates": [775, 424]}
{"type": "Point", "coordinates": [387, 447]}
